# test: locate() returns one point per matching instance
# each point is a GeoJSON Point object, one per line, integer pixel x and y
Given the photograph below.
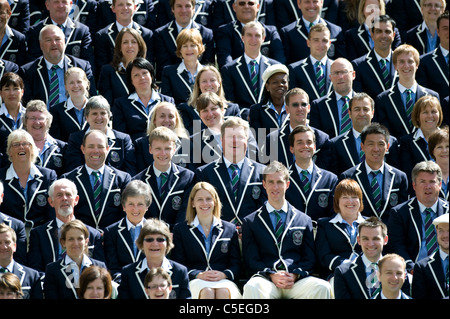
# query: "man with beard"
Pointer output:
{"type": "Point", "coordinates": [44, 240]}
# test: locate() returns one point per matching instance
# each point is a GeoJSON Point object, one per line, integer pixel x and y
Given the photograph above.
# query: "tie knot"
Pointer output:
{"type": "Point", "coordinates": [375, 173]}
{"type": "Point", "coordinates": [408, 91]}
{"type": "Point", "coordinates": [318, 64]}
{"type": "Point", "coordinates": [55, 67]}
{"type": "Point", "coordinates": [429, 210]}
{"type": "Point", "coordinates": [252, 62]}
{"type": "Point", "coordinates": [305, 172]}
{"type": "Point", "coordinates": [94, 173]}
{"type": "Point", "coordinates": [234, 167]}
{"type": "Point", "coordinates": [345, 98]}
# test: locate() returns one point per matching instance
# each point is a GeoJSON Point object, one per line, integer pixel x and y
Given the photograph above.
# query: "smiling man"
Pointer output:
{"type": "Point", "coordinates": [392, 275]}
{"type": "Point", "coordinates": [99, 201]}
{"type": "Point", "coordinates": [410, 223]}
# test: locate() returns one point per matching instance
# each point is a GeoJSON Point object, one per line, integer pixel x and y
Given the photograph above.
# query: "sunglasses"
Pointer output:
{"type": "Point", "coordinates": [243, 3]}
{"type": "Point", "coordinates": [151, 240]}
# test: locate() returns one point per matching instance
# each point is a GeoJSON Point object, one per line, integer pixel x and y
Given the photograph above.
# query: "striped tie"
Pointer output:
{"type": "Point", "coordinates": [163, 185]}
{"type": "Point", "coordinates": [372, 281]}
{"type": "Point", "coordinates": [279, 226]}
{"type": "Point", "coordinates": [409, 105]}
{"type": "Point", "coordinates": [376, 190]}
{"type": "Point", "coordinates": [306, 183]}
{"type": "Point", "coordinates": [97, 192]}
{"type": "Point", "coordinates": [346, 122]}
{"type": "Point", "coordinates": [54, 87]}
{"type": "Point", "coordinates": [385, 73]}
{"type": "Point", "coordinates": [254, 77]}
{"type": "Point", "coordinates": [362, 155]}
{"type": "Point", "coordinates": [430, 233]}
{"type": "Point", "coordinates": [234, 179]}
{"type": "Point", "coordinates": [320, 78]}
{"type": "Point", "coordinates": [446, 276]}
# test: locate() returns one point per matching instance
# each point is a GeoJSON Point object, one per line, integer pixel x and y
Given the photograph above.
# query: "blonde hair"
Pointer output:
{"type": "Point", "coordinates": [421, 104]}
{"type": "Point", "coordinates": [19, 135]}
{"type": "Point", "coordinates": [196, 89]}
{"type": "Point", "coordinates": [179, 126]}
{"type": "Point", "coordinates": [189, 35]}
{"type": "Point", "coordinates": [190, 210]}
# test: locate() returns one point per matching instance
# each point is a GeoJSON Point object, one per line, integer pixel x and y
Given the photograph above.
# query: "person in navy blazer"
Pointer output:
{"type": "Point", "coordinates": [346, 148]}
{"type": "Point", "coordinates": [119, 238]}
{"type": "Point", "coordinates": [433, 72]}
{"type": "Point", "coordinates": [390, 105]}
{"type": "Point", "coordinates": [77, 36]}
{"type": "Point", "coordinates": [392, 182]}
{"type": "Point", "coordinates": [336, 237]}
{"type": "Point", "coordinates": [169, 202]}
{"type": "Point", "coordinates": [294, 36]}
{"type": "Point", "coordinates": [407, 14]}
{"type": "Point", "coordinates": [208, 246]}
{"type": "Point", "coordinates": [95, 148]}
{"type": "Point", "coordinates": [226, 11]}
{"type": "Point", "coordinates": [369, 75]}
{"type": "Point", "coordinates": [350, 277]}
{"type": "Point", "coordinates": [44, 247]}
{"type": "Point", "coordinates": [20, 15]}
{"type": "Point", "coordinates": [30, 279]}
{"type": "Point", "coordinates": [105, 39]}
{"type": "Point", "coordinates": [121, 149]}
{"type": "Point", "coordinates": [131, 113]}
{"type": "Point", "coordinates": [326, 111]}
{"type": "Point", "coordinates": [229, 40]}
{"type": "Point", "coordinates": [407, 220]}
{"type": "Point", "coordinates": [277, 146]}
{"type": "Point", "coordinates": [35, 74]}
{"type": "Point", "coordinates": [166, 36]}
{"type": "Point", "coordinates": [144, 15]}
{"type": "Point", "coordinates": [278, 246]}
{"type": "Point", "coordinates": [62, 276]}
{"type": "Point", "coordinates": [15, 47]}
{"type": "Point", "coordinates": [155, 241]}
{"type": "Point", "coordinates": [236, 75]}
{"type": "Point", "coordinates": [23, 176]}
{"type": "Point", "coordinates": [204, 12]}
{"type": "Point", "coordinates": [312, 194]}
{"type": "Point", "coordinates": [437, 143]}
{"type": "Point", "coordinates": [302, 73]}
{"type": "Point", "coordinates": [430, 272]}
{"type": "Point", "coordinates": [249, 194]}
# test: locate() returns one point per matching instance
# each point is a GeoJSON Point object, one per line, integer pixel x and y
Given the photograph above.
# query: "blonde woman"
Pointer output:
{"type": "Point", "coordinates": [208, 246]}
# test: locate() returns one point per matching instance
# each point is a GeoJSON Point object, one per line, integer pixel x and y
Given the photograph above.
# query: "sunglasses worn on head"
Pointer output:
{"type": "Point", "coordinates": [151, 240]}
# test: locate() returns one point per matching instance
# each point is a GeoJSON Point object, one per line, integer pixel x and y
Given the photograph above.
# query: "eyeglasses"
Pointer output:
{"type": "Point", "coordinates": [36, 119]}
{"type": "Point", "coordinates": [432, 5]}
{"type": "Point", "coordinates": [160, 286]}
{"type": "Point", "coordinates": [19, 144]}
{"type": "Point", "coordinates": [151, 239]}
{"type": "Point", "coordinates": [339, 73]}
{"type": "Point", "coordinates": [243, 3]}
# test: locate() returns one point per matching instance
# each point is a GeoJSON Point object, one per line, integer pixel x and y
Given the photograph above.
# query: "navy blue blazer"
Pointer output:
{"type": "Point", "coordinates": [294, 37]}
{"type": "Point", "coordinates": [251, 194]}
{"type": "Point", "coordinates": [318, 201]}
{"type": "Point", "coordinates": [166, 37]}
{"type": "Point", "coordinates": [263, 119]}
{"type": "Point", "coordinates": [405, 229]}
{"type": "Point", "coordinates": [205, 12]}
{"type": "Point", "coordinates": [113, 183]}
{"type": "Point", "coordinates": [302, 75]}
{"type": "Point", "coordinates": [224, 255]}
{"type": "Point", "coordinates": [15, 48]}
{"type": "Point", "coordinates": [65, 122]}
{"type": "Point", "coordinates": [118, 247]}
{"type": "Point", "coordinates": [369, 78]}
{"type": "Point", "coordinates": [145, 14]}
{"type": "Point", "coordinates": [394, 192]}
{"type": "Point", "coordinates": [229, 43]}
{"type": "Point", "coordinates": [132, 282]}
{"type": "Point", "coordinates": [54, 157]}
{"type": "Point", "coordinates": [433, 72]}
{"type": "Point", "coordinates": [417, 37]}
{"type": "Point", "coordinates": [280, 140]}
{"type": "Point", "coordinates": [58, 281]}
{"type": "Point", "coordinates": [20, 255]}
{"type": "Point", "coordinates": [345, 154]}
{"type": "Point", "coordinates": [104, 42]}
{"type": "Point", "coordinates": [189, 114]}
{"type": "Point", "coordinates": [30, 281]}
{"type": "Point", "coordinates": [172, 207]}
{"type": "Point", "coordinates": [129, 116]}
{"type": "Point", "coordinates": [237, 84]}
{"type": "Point", "coordinates": [77, 35]}
{"type": "Point", "coordinates": [262, 255]}
{"type": "Point", "coordinates": [20, 16]}
{"type": "Point", "coordinates": [429, 280]}
{"type": "Point", "coordinates": [224, 12]}
{"type": "Point", "coordinates": [391, 112]}
{"type": "Point", "coordinates": [324, 115]}
{"type": "Point", "coordinates": [86, 13]}
{"type": "Point", "coordinates": [175, 83]}
{"type": "Point", "coordinates": [406, 13]}
{"type": "Point", "coordinates": [36, 79]}
{"type": "Point", "coordinates": [112, 84]}
{"type": "Point", "coordinates": [333, 245]}
{"type": "Point", "coordinates": [44, 245]}
{"type": "Point", "coordinates": [357, 42]}
{"type": "Point", "coordinates": [35, 209]}
{"type": "Point", "coordinates": [121, 152]}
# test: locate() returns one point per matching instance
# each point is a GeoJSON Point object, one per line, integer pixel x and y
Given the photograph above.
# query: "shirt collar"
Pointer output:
{"type": "Point", "coordinates": [412, 88]}
{"type": "Point", "coordinates": [444, 51]}
{"type": "Point", "coordinates": [165, 265]}
{"type": "Point", "coordinates": [60, 63]}
{"type": "Point", "coordinates": [356, 134]}
{"type": "Point", "coordinates": [366, 261]}
{"type": "Point", "coordinates": [338, 219]}
{"type": "Point", "coordinates": [248, 59]}
{"type": "Point", "coordinates": [388, 58]}
{"type": "Point", "coordinates": [270, 208]}
{"type": "Point", "coordinates": [158, 172]}
{"type": "Point", "coordinates": [369, 170]}
{"type": "Point", "coordinates": [101, 170]}
{"type": "Point", "coordinates": [11, 173]}
{"type": "Point", "coordinates": [349, 95]}
{"type": "Point", "coordinates": [86, 262]}
{"type": "Point", "coordinates": [216, 222]}
{"type": "Point", "coordinates": [155, 96]}
{"type": "Point", "coordinates": [442, 254]}
{"type": "Point", "coordinates": [307, 23]}
{"type": "Point", "coordinates": [70, 104]}
{"type": "Point", "coordinates": [422, 207]}
{"type": "Point", "coordinates": [4, 110]}
{"type": "Point", "coordinates": [130, 225]}
{"type": "Point", "coordinates": [228, 163]}
{"type": "Point", "coordinates": [120, 27]}
{"type": "Point", "coordinates": [323, 60]}
{"type": "Point", "coordinates": [180, 28]}
{"type": "Point", "coordinates": [309, 169]}
{"type": "Point", "coordinates": [182, 67]}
